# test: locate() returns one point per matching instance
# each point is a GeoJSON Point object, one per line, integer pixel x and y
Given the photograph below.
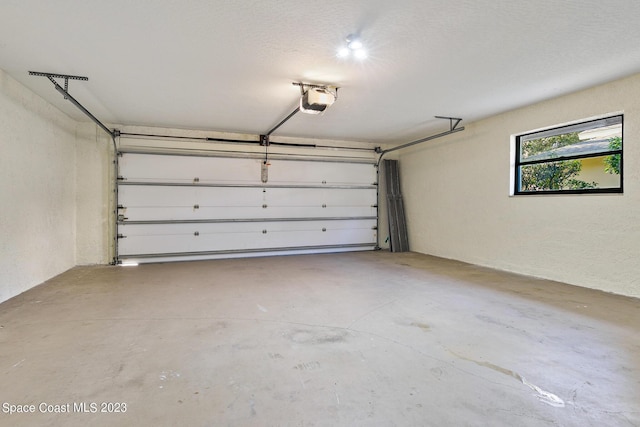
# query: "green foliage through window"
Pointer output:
{"type": "Point", "coordinates": [583, 157]}
{"type": "Point", "coordinates": [613, 161]}
{"type": "Point", "coordinates": [555, 175]}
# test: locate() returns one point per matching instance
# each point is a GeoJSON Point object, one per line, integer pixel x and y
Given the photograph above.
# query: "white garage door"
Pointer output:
{"type": "Point", "coordinates": [179, 207]}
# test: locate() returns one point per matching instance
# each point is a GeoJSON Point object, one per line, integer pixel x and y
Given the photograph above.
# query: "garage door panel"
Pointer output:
{"type": "Point", "coordinates": [153, 239]}
{"type": "Point", "coordinates": [235, 213]}
{"type": "Point", "coordinates": [157, 203]}
{"type": "Point", "coordinates": [137, 167]}
{"type": "Point", "coordinates": [290, 172]}
{"type": "Point", "coordinates": [159, 196]}
{"type": "Point", "coordinates": [156, 196]}
{"type": "Point", "coordinates": [153, 168]}
{"type": "Point", "coordinates": [320, 197]}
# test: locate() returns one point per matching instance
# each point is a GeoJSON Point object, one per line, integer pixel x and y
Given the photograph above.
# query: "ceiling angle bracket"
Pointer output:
{"type": "Point", "coordinates": [453, 128]}
{"type": "Point", "coordinates": [452, 124]}
{"type": "Point", "coordinates": [66, 78]}
{"type": "Point", "coordinates": [64, 91]}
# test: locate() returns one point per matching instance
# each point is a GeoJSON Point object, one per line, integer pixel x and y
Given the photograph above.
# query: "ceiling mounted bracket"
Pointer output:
{"type": "Point", "coordinates": [66, 78]}
{"type": "Point", "coordinates": [453, 128]}
{"type": "Point", "coordinates": [64, 91]}
{"type": "Point", "coordinates": [304, 87]}
{"type": "Point", "coordinates": [264, 140]}
{"type": "Point", "coordinates": [453, 121]}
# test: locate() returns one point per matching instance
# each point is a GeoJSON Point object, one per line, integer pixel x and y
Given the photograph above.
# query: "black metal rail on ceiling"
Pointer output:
{"type": "Point", "coordinates": [244, 141]}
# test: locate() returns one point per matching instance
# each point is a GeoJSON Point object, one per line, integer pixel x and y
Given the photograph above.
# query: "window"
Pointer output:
{"type": "Point", "coordinates": [583, 157]}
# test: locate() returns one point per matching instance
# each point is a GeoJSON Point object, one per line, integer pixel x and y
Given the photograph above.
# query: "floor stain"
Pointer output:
{"type": "Point", "coordinates": [169, 375]}
{"type": "Point", "coordinates": [308, 366]}
{"type": "Point", "coordinates": [307, 336]}
{"type": "Point", "coordinates": [437, 372]}
{"type": "Point", "coordinates": [542, 395]}
{"type": "Point", "coordinates": [422, 326]}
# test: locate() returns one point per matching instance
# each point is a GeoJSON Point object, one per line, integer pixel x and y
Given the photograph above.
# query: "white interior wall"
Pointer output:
{"type": "Point", "coordinates": [94, 195]}
{"type": "Point", "coordinates": [456, 192]}
{"type": "Point", "coordinates": [37, 189]}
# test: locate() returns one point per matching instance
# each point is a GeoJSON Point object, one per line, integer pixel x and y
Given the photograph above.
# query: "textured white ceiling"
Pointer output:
{"type": "Point", "coordinates": [228, 65]}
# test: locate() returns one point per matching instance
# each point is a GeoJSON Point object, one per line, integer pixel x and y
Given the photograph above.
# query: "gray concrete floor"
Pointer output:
{"type": "Point", "coordinates": [359, 339]}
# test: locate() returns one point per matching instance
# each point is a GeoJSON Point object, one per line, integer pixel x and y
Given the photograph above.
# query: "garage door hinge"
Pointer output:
{"type": "Point", "coordinates": [121, 178]}
{"type": "Point", "coordinates": [374, 206]}
{"type": "Point", "coordinates": [121, 207]}
{"type": "Point", "coordinates": [375, 227]}
{"type": "Point", "coordinates": [121, 236]}
{"type": "Point", "coordinates": [122, 218]}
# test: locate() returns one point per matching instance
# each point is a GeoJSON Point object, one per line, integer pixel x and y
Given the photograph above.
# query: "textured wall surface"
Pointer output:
{"type": "Point", "coordinates": [37, 189]}
{"type": "Point", "coordinates": [94, 195]}
{"type": "Point", "coordinates": [458, 206]}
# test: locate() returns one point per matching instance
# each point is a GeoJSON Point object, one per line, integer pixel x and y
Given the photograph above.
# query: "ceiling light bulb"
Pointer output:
{"type": "Point", "coordinates": [360, 54]}
{"type": "Point", "coordinates": [354, 44]}
{"type": "Point", "coordinates": [353, 47]}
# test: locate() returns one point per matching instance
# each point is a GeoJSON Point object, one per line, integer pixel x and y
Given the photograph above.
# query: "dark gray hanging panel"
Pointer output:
{"type": "Point", "coordinates": [395, 207]}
